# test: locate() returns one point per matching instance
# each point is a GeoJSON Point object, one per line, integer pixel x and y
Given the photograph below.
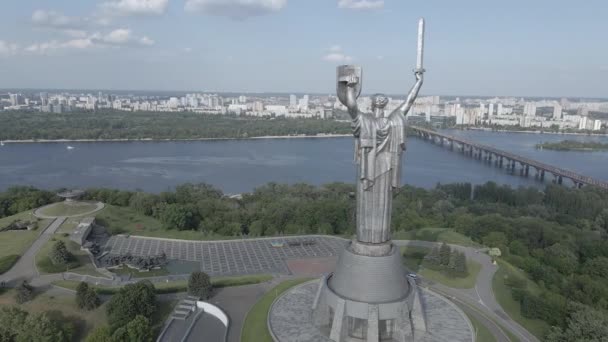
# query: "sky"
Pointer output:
{"type": "Point", "coordinates": [473, 47]}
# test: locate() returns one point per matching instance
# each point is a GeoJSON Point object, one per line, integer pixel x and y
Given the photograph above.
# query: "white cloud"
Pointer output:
{"type": "Point", "coordinates": [54, 19]}
{"type": "Point", "coordinates": [188, 49]}
{"type": "Point", "coordinates": [235, 9]}
{"type": "Point", "coordinates": [335, 48]}
{"type": "Point", "coordinates": [8, 49]}
{"type": "Point", "coordinates": [134, 7]}
{"type": "Point", "coordinates": [379, 57]}
{"type": "Point", "coordinates": [54, 45]}
{"type": "Point", "coordinates": [115, 38]}
{"type": "Point", "coordinates": [337, 57]}
{"type": "Point", "coordinates": [361, 4]}
{"type": "Point", "coordinates": [146, 41]}
{"type": "Point", "coordinates": [336, 54]}
{"type": "Point", "coordinates": [118, 36]}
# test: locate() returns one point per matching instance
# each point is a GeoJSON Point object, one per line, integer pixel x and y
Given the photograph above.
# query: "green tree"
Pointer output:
{"type": "Point", "coordinates": [11, 319]}
{"type": "Point", "coordinates": [86, 297]}
{"type": "Point", "coordinates": [199, 285]}
{"type": "Point", "coordinates": [495, 239]}
{"type": "Point", "coordinates": [444, 254]}
{"type": "Point", "coordinates": [178, 216]}
{"type": "Point", "coordinates": [39, 327]}
{"type": "Point", "coordinates": [433, 257]}
{"type": "Point", "coordinates": [101, 334]}
{"type": "Point", "coordinates": [24, 292]}
{"type": "Point", "coordinates": [139, 330]}
{"type": "Point", "coordinates": [583, 324]}
{"type": "Point", "coordinates": [130, 301]}
{"type": "Point", "coordinates": [59, 254]}
{"type": "Point", "coordinates": [460, 264]}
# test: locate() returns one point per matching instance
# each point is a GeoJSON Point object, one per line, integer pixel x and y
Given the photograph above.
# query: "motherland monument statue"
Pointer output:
{"type": "Point", "coordinates": [369, 296]}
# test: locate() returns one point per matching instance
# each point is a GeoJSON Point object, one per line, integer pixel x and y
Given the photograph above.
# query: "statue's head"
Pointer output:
{"type": "Point", "coordinates": [379, 101]}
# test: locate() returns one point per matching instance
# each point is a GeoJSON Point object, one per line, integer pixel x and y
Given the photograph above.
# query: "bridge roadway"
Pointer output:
{"type": "Point", "coordinates": [489, 153]}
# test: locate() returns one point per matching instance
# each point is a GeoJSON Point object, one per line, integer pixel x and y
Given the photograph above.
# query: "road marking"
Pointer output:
{"type": "Point", "coordinates": [478, 296]}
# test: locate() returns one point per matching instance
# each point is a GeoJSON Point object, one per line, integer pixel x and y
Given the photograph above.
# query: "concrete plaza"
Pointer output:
{"type": "Point", "coordinates": [238, 257]}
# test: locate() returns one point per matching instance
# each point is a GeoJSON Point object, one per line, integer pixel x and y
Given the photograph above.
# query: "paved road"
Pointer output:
{"type": "Point", "coordinates": [25, 268]}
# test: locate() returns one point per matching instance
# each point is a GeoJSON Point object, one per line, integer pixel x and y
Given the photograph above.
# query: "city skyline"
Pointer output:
{"type": "Point", "coordinates": [544, 49]}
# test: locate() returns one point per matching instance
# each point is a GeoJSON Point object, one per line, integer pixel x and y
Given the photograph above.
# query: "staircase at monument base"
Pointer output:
{"type": "Point", "coordinates": [185, 307]}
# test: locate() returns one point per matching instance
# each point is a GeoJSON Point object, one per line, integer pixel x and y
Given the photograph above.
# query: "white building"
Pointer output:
{"type": "Point", "coordinates": [293, 101]}
{"type": "Point", "coordinates": [597, 125]}
{"type": "Point", "coordinates": [557, 112]}
{"type": "Point", "coordinates": [276, 110]}
{"type": "Point", "coordinates": [529, 109]}
{"type": "Point", "coordinates": [583, 123]}
{"type": "Point", "coordinates": [499, 110]}
{"type": "Point", "coordinates": [490, 109]}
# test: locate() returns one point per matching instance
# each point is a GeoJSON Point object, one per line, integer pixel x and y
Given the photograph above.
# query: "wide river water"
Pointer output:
{"type": "Point", "coordinates": [241, 165]}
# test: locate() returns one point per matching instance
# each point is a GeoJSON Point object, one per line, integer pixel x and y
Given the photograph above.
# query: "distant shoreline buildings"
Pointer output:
{"type": "Point", "coordinates": [483, 112]}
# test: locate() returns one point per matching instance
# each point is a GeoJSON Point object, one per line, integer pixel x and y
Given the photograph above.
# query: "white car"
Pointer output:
{"type": "Point", "coordinates": [412, 275]}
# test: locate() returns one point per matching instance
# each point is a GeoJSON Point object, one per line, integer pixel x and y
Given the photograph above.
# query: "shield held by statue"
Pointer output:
{"type": "Point", "coordinates": [344, 74]}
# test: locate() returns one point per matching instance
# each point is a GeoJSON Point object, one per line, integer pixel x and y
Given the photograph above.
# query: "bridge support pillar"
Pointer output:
{"type": "Point", "coordinates": [526, 170]}
{"type": "Point", "coordinates": [542, 175]}
{"type": "Point", "coordinates": [500, 161]}
{"type": "Point", "coordinates": [559, 180]}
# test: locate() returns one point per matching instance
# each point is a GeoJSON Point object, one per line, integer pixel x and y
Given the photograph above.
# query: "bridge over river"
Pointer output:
{"type": "Point", "coordinates": [506, 159]}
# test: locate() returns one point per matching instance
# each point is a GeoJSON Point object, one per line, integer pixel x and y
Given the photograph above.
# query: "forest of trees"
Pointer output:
{"type": "Point", "coordinates": [557, 235]}
{"type": "Point", "coordinates": [108, 124]}
{"type": "Point", "coordinates": [573, 145]}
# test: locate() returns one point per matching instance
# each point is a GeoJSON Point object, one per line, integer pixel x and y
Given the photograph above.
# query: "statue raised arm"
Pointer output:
{"type": "Point", "coordinates": [348, 88]}
{"type": "Point", "coordinates": [411, 97]}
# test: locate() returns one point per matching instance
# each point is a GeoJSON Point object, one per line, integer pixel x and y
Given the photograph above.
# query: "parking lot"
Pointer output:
{"type": "Point", "coordinates": [219, 258]}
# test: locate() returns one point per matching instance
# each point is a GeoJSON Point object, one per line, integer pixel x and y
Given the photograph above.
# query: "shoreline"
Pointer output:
{"type": "Point", "coordinates": [55, 141]}
{"type": "Point", "coordinates": [530, 132]}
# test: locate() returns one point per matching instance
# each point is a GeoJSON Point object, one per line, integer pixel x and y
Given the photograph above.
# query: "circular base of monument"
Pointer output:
{"type": "Point", "coordinates": [291, 318]}
{"type": "Point", "coordinates": [370, 279]}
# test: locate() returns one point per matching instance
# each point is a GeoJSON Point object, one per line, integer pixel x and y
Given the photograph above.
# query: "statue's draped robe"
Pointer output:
{"type": "Point", "coordinates": [379, 145]}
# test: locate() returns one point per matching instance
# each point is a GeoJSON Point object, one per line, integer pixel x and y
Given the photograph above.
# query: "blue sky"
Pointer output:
{"type": "Point", "coordinates": [520, 48]}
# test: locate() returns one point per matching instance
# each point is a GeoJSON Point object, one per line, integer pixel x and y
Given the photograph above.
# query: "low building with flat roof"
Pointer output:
{"type": "Point", "coordinates": [82, 231]}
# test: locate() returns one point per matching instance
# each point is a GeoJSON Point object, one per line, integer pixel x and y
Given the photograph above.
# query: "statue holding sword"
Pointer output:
{"type": "Point", "coordinates": [379, 145]}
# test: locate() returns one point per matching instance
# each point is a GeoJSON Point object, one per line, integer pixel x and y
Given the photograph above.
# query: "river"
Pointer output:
{"type": "Point", "coordinates": [237, 166]}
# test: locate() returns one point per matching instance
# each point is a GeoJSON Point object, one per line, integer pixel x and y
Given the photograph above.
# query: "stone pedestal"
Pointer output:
{"type": "Point", "coordinates": [369, 298]}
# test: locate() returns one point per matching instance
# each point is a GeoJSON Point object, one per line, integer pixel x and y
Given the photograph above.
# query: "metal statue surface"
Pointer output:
{"type": "Point", "coordinates": [379, 145]}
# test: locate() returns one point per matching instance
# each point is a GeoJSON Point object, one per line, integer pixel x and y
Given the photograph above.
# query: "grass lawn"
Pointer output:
{"type": "Point", "coordinates": [68, 226]}
{"type": "Point", "coordinates": [482, 334]}
{"type": "Point", "coordinates": [413, 256]}
{"type": "Point", "coordinates": [63, 305]}
{"type": "Point", "coordinates": [503, 295]}
{"type": "Point", "coordinates": [119, 220]}
{"type": "Point", "coordinates": [68, 209]}
{"type": "Point", "coordinates": [175, 286]}
{"type": "Point", "coordinates": [255, 328]}
{"type": "Point", "coordinates": [81, 263]}
{"type": "Point", "coordinates": [124, 270]}
{"type": "Point", "coordinates": [15, 242]}
{"type": "Point", "coordinates": [467, 282]}
{"type": "Point", "coordinates": [446, 235]}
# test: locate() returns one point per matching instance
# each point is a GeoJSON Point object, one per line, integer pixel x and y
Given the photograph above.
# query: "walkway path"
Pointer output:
{"type": "Point", "coordinates": [25, 268]}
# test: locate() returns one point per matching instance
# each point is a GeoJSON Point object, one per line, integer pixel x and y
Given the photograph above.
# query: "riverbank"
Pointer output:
{"type": "Point", "coordinates": [572, 145]}
{"type": "Point", "coordinates": [531, 132]}
{"type": "Point", "coordinates": [30, 141]}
